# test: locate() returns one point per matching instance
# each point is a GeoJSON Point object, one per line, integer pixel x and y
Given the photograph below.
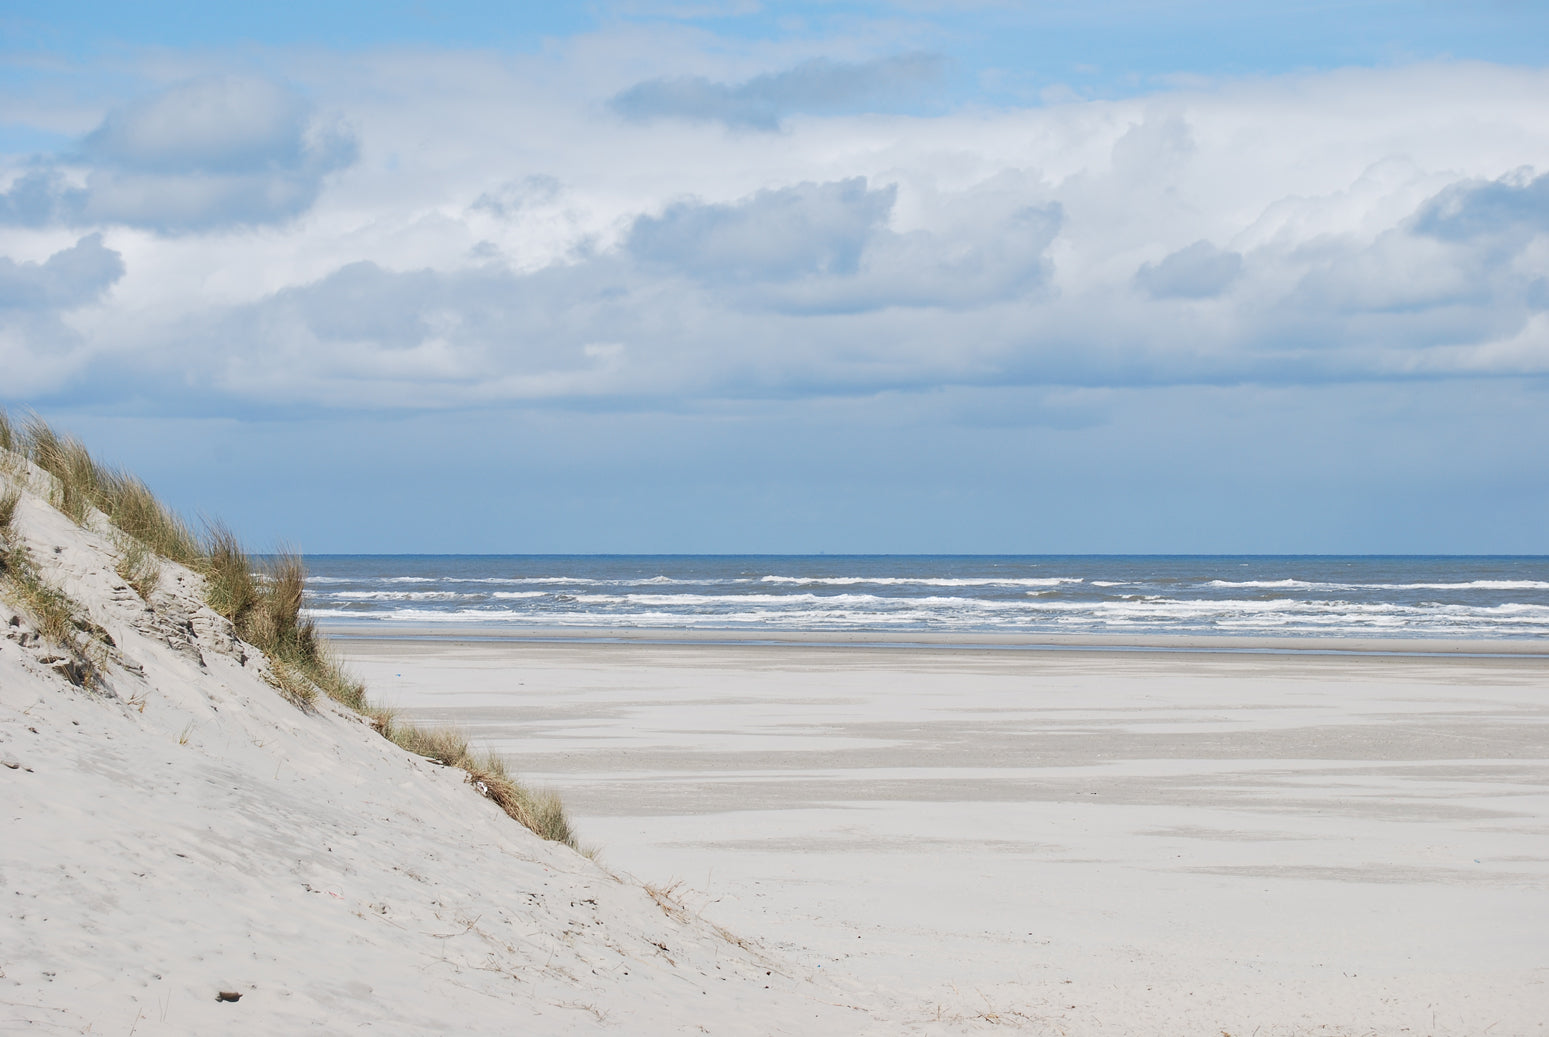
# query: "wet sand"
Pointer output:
{"type": "Point", "coordinates": [1079, 840]}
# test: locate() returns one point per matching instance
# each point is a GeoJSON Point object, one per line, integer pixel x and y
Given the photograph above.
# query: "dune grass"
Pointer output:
{"type": "Point", "coordinates": [8, 503]}
{"type": "Point", "coordinates": [263, 602]}
{"type": "Point", "coordinates": [540, 811]}
{"type": "Point", "coordinates": [60, 619]}
{"type": "Point", "coordinates": [80, 484]}
{"type": "Point", "coordinates": [139, 567]}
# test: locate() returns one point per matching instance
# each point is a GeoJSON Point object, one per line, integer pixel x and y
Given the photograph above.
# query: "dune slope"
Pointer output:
{"type": "Point", "coordinates": [177, 829]}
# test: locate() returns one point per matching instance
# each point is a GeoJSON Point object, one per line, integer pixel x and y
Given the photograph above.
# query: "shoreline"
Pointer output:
{"type": "Point", "coordinates": [377, 630]}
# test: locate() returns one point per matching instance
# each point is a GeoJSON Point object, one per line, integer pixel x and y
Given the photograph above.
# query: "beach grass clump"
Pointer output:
{"type": "Point", "coordinates": [58, 618]}
{"type": "Point", "coordinates": [444, 745]}
{"type": "Point", "coordinates": [230, 584]}
{"type": "Point", "coordinates": [51, 609]}
{"type": "Point", "coordinates": [8, 503]}
{"type": "Point", "coordinates": [139, 567]}
{"type": "Point", "coordinates": [81, 484]}
{"type": "Point", "coordinates": [75, 474]}
{"type": "Point", "coordinates": [263, 601]}
{"type": "Point", "coordinates": [541, 811]}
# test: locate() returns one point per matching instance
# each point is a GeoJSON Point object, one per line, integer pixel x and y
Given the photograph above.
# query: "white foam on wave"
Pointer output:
{"type": "Point", "coordinates": [520, 579]}
{"type": "Point", "coordinates": [1161, 601]}
{"type": "Point", "coordinates": [923, 581]}
{"type": "Point", "coordinates": [393, 595]}
{"type": "Point", "coordinates": [788, 602]}
{"type": "Point", "coordinates": [1482, 585]}
{"type": "Point", "coordinates": [1280, 616]}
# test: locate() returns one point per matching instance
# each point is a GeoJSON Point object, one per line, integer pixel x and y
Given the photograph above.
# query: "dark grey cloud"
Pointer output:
{"type": "Point", "coordinates": [68, 279]}
{"type": "Point", "coordinates": [209, 153]}
{"type": "Point", "coordinates": [1200, 271]}
{"type": "Point", "coordinates": [760, 103]}
{"type": "Point", "coordinates": [1477, 208]}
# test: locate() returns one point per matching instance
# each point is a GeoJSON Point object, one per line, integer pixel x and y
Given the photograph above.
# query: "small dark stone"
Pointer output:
{"type": "Point", "coordinates": [228, 995]}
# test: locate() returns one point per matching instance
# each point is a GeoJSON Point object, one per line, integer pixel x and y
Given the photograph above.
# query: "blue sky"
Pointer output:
{"type": "Point", "coordinates": [704, 276]}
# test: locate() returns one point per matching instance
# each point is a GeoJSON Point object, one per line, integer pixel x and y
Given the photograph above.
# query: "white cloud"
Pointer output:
{"type": "Point", "coordinates": [68, 279]}
{"type": "Point", "coordinates": [1199, 271]}
{"type": "Point", "coordinates": [817, 85]}
{"type": "Point", "coordinates": [780, 235]}
{"type": "Point", "coordinates": [39, 350]}
{"type": "Point", "coordinates": [500, 223]}
{"type": "Point", "coordinates": [207, 153]}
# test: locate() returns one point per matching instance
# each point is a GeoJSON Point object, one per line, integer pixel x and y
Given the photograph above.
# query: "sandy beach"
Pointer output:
{"type": "Point", "coordinates": [811, 834]}
{"type": "Point", "coordinates": [1075, 841]}
{"type": "Point", "coordinates": [774, 519]}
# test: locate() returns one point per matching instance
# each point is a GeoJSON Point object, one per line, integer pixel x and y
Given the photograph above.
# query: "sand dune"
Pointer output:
{"type": "Point", "coordinates": [180, 830]}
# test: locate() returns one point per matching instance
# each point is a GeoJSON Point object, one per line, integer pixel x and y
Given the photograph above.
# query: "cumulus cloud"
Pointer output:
{"type": "Point", "coordinates": [828, 248]}
{"type": "Point", "coordinates": [1458, 285]}
{"type": "Point", "coordinates": [68, 279]}
{"type": "Point", "coordinates": [1517, 204]}
{"type": "Point", "coordinates": [776, 235]}
{"type": "Point", "coordinates": [422, 337]}
{"type": "Point", "coordinates": [38, 349]}
{"type": "Point", "coordinates": [212, 152]}
{"type": "Point", "coordinates": [817, 86]}
{"type": "Point", "coordinates": [1200, 271]}
{"type": "Point", "coordinates": [1317, 228]}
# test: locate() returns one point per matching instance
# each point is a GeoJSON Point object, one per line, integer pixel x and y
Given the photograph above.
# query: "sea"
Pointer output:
{"type": "Point", "coordinates": [1255, 595]}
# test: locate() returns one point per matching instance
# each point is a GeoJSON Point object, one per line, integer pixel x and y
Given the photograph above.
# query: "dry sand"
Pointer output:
{"type": "Point", "coordinates": [180, 830]}
{"type": "Point", "coordinates": [1074, 842]}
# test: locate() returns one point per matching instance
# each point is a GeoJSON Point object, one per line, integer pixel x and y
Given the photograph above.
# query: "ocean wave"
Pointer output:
{"type": "Point", "coordinates": [1482, 585]}
{"type": "Point", "coordinates": [393, 595]}
{"type": "Point", "coordinates": [800, 601]}
{"type": "Point", "coordinates": [923, 581]}
{"type": "Point", "coordinates": [1479, 585]}
{"type": "Point", "coordinates": [1146, 618]}
{"type": "Point", "coordinates": [1380, 597]}
{"type": "Point", "coordinates": [516, 580]}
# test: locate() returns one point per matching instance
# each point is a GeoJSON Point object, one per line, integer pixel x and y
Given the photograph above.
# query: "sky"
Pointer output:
{"type": "Point", "coordinates": [697, 276]}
